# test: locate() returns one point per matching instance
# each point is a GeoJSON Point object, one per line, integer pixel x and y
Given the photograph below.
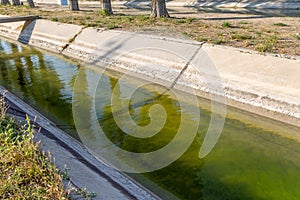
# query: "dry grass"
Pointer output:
{"type": "Point", "coordinates": [261, 35]}
{"type": "Point", "coordinates": [26, 173]}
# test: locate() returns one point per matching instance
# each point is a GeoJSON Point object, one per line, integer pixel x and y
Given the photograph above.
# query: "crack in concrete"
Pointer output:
{"type": "Point", "coordinates": [181, 72]}
{"type": "Point", "coordinates": [72, 39]}
{"type": "Point", "coordinates": [237, 3]}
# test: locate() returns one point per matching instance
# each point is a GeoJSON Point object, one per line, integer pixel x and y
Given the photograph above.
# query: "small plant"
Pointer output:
{"type": "Point", "coordinates": [82, 192]}
{"type": "Point", "coordinates": [239, 37]}
{"type": "Point", "coordinates": [202, 39]}
{"type": "Point", "coordinates": [257, 33]}
{"type": "Point", "coordinates": [54, 19]}
{"type": "Point", "coordinates": [186, 34]}
{"type": "Point", "coordinates": [218, 41]}
{"type": "Point", "coordinates": [297, 37]}
{"type": "Point", "coordinates": [88, 17]}
{"type": "Point", "coordinates": [244, 22]}
{"type": "Point", "coordinates": [280, 24]}
{"type": "Point", "coordinates": [180, 21]}
{"type": "Point", "coordinates": [226, 25]}
{"type": "Point", "coordinates": [190, 20]}
{"type": "Point", "coordinates": [104, 13]}
{"type": "Point", "coordinates": [267, 44]}
{"type": "Point", "coordinates": [112, 26]}
{"type": "Point", "coordinates": [65, 173]}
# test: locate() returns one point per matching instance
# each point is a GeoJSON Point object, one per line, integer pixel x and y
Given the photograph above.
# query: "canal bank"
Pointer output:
{"type": "Point", "coordinates": [263, 84]}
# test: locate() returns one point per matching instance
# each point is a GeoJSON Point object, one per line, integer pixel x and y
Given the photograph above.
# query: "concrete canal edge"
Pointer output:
{"type": "Point", "coordinates": [267, 84]}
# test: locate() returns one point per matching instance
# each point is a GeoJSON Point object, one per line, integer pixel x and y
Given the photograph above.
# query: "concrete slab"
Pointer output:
{"type": "Point", "coordinates": [159, 57]}
{"type": "Point", "coordinates": [264, 81]}
{"type": "Point", "coordinates": [11, 30]}
{"type": "Point", "coordinates": [49, 35]}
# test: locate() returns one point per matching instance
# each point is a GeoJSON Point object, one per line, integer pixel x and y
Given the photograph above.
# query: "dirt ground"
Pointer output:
{"type": "Point", "coordinates": [239, 28]}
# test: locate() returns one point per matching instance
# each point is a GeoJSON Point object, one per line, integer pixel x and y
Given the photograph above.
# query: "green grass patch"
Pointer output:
{"type": "Point", "coordinates": [218, 41]}
{"type": "Point", "coordinates": [244, 22]}
{"type": "Point", "coordinates": [267, 44]}
{"type": "Point", "coordinates": [226, 25]}
{"type": "Point", "coordinates": [280, 24]}
{"type": "Point", "coordinates": [240, 37]}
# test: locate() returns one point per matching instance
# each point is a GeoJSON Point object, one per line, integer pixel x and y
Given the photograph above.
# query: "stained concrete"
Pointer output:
{"type": "Point", "coordinates": [266, 84]}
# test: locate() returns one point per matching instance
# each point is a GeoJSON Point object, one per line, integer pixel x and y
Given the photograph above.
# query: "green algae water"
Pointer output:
{"type": "Point", "coordinates": [255, 158]}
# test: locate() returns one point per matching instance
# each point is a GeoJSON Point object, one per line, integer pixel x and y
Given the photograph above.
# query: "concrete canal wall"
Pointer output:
{"type": "Point", "coordinates": [268, 84]}
{"type": "Point", "coordinates": [264, 84]}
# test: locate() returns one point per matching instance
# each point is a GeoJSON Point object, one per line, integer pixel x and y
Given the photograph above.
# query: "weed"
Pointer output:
{"type": "Point", "coordinates": [190, 20]}
{"type": "Point", "coordinates": [267, 45]}
{"type": "Point", "coordinates": [54, 19]}
{"type": "Point", "coordinates": [187, 34]}
{"type": "Point", "coordinates": [220, 34]}
{"type": "Point", "coordinates": [180, 21]}
{"type": "Point", "coordinates": [226, 25]}
{"type": "Point", "coordinates": [23, 167]}
{"type": "Point", "coordinates": [244, 22]}
{"type": "Point", "coordinates": [65, 173]}
{"type": "Point", "coordinates": [280, 24]}
{"type": "Point", "coordinates": [218, 41]}
{"type": "Point", "coordinates": [85, 194]}
{"type": "Point", "coordinates": [239, 37]}
{"type": "Point", "coordinates": [143, 17]}
{"type": "Point", "coordinates": [202, 39]}
{"type": "Point", "coordinates": [257, 33]}
{"type": "Point", "coordinates": [297, 37]}
{"type": "Point", "coordinates": [112, 26]}
{"type": "Point", "coordinates": [104, 13]}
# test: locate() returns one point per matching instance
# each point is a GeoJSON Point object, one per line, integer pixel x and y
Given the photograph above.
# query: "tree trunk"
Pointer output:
{"type": "Point", "coordinates": [16, 2]}
{"type": "Point", "coordinates": [74, 5]}
{"type": "Point", "coordinates": [4, 2]}
{"type": "Point", "coordinates": [31, 3]}
{"type": "Point", "coordinates": [159, 8]}
{"type": "Point", "coordinates": [106, 7]}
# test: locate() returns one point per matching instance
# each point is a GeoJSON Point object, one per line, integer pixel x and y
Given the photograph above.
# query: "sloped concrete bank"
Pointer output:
{"type": "Point", "coordinates": [268, 85]}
